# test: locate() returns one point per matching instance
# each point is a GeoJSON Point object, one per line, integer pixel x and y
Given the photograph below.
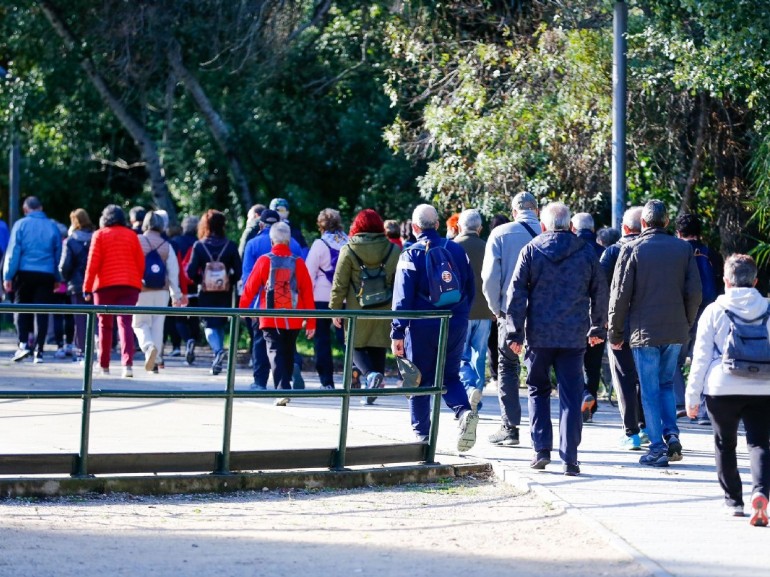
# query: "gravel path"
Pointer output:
{"type": "Point", "coordinates": [459, 527]}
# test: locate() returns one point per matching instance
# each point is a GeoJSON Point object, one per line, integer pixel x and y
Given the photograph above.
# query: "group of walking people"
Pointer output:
{"type": "Point", "coordinates": [558, 300]}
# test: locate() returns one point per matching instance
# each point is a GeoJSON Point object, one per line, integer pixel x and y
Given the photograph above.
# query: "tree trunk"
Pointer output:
{"type": "Point", "coordinates": [138, 132]}
{"type": "Point", "coordinates": [214, 120]}
{"type": "Point", "coordinates": [696, 167]}
{"type": "Point", "coordinates": [731, 166]}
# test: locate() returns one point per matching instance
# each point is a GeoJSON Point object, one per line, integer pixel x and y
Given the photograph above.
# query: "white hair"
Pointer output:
{"type": "Point", "coordinates": [555, 216]}
{"type": "Point", "coordinates": [632, 219]}
{"type": "Point", "coordinates": [425, 217]}
{"type": "Point", "coordinates": [280, 233]}
{"type": "Point", "coordinates": [470, 219]}
{"type": "Point", "coordinates": [583, 221]}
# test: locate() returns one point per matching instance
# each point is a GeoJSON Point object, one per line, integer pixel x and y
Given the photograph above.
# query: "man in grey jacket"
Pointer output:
{"type": "Point", "coordinates": [657, 288]}
{"type": "Point", "coordinates": [31, 269]}
{"type": "Point", "coordinates": [502, 251]}
{"type": "Point", "coordinates": [558, 298]}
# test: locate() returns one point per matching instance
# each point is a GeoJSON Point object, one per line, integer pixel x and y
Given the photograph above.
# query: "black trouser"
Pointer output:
{"type": "Point", "coordinates": [592, 365]}
{"type": "Point", "coordinates": [508, 371]}
{"type": "Point", "coordinates": [493, 355]}
{"type": "Point", "coordinates": [33, 288]}
{"type": "Point", "coordinates": [189, 327]}
{"type": "Point", "coordinates": [369, 359]}
{"type": "Point", "coordinates": [726, 412]}
{"type": "Point", "coordinates": [322, 346]}
{"type": "Point", "coordinates": [260, 363]}
{"type": "Point", "coordinates": [626, 383]}
{"type": "Point", "coordinates": [281, 346]}
{"type": "Point", "coordinates": [63, 325]}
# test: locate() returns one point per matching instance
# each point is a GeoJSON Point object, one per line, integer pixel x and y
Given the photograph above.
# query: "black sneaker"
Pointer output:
{"type": "Point", "coordinates": [505, 437]}
{"type": "Point", "coordinates": [674, 448]}
{"type": "Point", "coordinates": [540, 460]}
{"type": "Point", "coordinates": [189, 351]}
{"type": "Point", "coordinates": [571, 469]}
{"type": "Point", "coordinates": [216, 366]}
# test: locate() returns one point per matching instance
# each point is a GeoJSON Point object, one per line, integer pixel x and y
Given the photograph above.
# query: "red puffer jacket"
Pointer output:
{"type": "Point", "coordinates": [115, 259]}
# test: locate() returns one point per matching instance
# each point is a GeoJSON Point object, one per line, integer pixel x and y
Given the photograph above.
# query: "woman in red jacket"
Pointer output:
{"type": "Point", "coordinates": [114, 277]}
{"type": "Point", "coordinates": [280, 280]}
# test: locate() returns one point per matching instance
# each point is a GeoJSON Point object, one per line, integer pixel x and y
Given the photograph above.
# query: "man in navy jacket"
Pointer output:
{"type": "Point", "coordinates": [559, 296]}
{"type": "Point", "coordinates": [418, 339]}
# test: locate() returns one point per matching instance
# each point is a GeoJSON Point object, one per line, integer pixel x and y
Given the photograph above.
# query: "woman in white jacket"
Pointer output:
{"type": "Point", "coordinates": [731, 398]}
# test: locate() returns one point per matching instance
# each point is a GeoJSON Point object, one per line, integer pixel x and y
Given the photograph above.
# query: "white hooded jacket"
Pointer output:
{"type": "Point", "coordinates": [706, 374]}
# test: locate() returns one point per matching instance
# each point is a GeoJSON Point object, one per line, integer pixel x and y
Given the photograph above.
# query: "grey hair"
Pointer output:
{"type": "Point", "coordinates": [112, 215]}
{"type": "Point", "coordinates": [632, 219]}
{"type": "Point", "coordinates": [555, 216]}
{"type": "Point", "coordinates": [153, 221]}
{"type": "Point", "coordinates": [740, 270]}
{"type": "Point", "coordinates": [607, 236]}
{"type": "Point", "coordinates": [425, 217]}
{"type": "Point", "coordinates": [655, 214]}
{"type": "Point", "coordinates": [190, 225]}
{"type": "Point", "coordinates": [470, 219]}
{"type": "Point", "coordinates": [583, 221]}
{"type": "Point", "coordinates": [164, 215]}
{"type": "Point", "coordinates": [280, 233]}
{"type": "Point", "coordinates": [32, 203]}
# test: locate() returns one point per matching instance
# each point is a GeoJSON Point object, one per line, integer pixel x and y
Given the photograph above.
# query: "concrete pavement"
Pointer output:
{"type": "Point", "coordinates": [668, 519]}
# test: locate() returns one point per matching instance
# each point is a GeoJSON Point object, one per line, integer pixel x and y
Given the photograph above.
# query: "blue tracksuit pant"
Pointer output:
{"type": "Point", "coordinates": [421, 347]}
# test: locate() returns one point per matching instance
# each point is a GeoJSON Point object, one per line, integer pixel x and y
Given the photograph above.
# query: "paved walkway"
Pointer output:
{"type": "Point", "coordinates": [668, 519]}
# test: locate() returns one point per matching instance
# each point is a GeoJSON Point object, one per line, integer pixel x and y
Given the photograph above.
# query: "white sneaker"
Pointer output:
{"type": "Point", "coordinates": [282, 402]}
{"type": "Point", "coordinates": [467, 437]}
{"type": "Point", "coordinates": [128, 372]}
{"type": "Point", "coordinates": [38, 358]}
{"type": "Point", "coordinates": [149, 358]}
{"type": "Point", "coordinates": [104, 372]}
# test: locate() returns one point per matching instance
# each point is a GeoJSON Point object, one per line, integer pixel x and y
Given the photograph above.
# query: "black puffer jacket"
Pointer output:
{"type": "Point", "coordinates": [560, 290]}
{"type": "Point", "coordinates": [74, 258]}
{"type": "Point", "coordinates": [657, 287]}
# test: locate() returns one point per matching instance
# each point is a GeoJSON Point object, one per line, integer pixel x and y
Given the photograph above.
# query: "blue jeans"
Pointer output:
{"type": "Point", "coordinates": [656, 366]}
{"type": "Point", "coordinates": [474, 358]}
{"type": "Point", "coordinates": [216, 339]}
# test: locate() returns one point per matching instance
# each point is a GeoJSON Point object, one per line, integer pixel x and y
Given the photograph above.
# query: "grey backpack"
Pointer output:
{"type": "Point", "coordinates": [746, 351]}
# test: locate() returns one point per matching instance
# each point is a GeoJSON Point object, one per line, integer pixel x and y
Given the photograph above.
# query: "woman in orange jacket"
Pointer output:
{"type": "Point", "coordinates": [114, 277]}
{"type": "Point", "coordinates": [280, 280]}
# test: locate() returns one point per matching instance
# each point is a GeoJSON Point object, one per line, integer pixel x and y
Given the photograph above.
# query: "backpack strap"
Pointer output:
{"type": "Point", "coordinates": [221, 252]}
{"type": "Point", "coordinates": [203, 245]}
{"type": "Point", "coordinates": [530, 230]}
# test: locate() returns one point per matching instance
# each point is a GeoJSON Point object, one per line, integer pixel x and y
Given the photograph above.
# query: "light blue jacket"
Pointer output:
{"type": "Point", "coordinates": [35, 246]}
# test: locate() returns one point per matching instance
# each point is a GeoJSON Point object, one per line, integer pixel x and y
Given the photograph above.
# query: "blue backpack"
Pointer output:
{"type": "Point", "coordinates": [707, 277]}
{"type": "Point", "coordinates": [154, 269]}
{"type": "Point", "coordinates": [443, 281]}
{"type": "Point", "coordinates": [334, 254]}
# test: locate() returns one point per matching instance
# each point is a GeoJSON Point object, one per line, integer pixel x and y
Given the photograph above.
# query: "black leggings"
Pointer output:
{"type": "Point", "coordinates": [369, 359]}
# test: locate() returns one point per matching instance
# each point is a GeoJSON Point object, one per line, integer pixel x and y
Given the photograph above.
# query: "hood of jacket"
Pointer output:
{"type": "Point", "coordinates": [371, 247]}
{"type": "Point", "coordinates": [81, 235]}
{"type": "Point", "coordinates": [558, 245]}
{"type": "Point", "coordinates": [747, 303]}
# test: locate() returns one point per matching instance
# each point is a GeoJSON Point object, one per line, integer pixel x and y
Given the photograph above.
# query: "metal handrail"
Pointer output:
{"type": "Point", "coordinates": [230, 394]}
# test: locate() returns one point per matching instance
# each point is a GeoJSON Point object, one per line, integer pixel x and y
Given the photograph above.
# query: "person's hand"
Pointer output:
{"type": "Point", "coordinates": [397, 346]}
{"type": "Point", "coordinates": [8, 286]}
{"type": "Point", "coordinates": [88, 297]}
{"type": "Point", "coordinates": [337, 322]}
{"type": "Point", "coordinates": [593, 341]}
{"type": "Point", "coordinates": [617, 346]}
{"type": "Point", "coordinates": [515, 348]}
{"type": "Point", "coordinates": [184, 301]}
{"type": "Point", "coordinates": [309, 333]}
{"type": "Point", "coordinates": [56, 286]}
{"type": "Point", "coordinates": [692, 412]}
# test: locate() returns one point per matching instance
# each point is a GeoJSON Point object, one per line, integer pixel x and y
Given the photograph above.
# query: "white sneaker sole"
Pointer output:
{"type": "Point", "coordinates": [467, 438]}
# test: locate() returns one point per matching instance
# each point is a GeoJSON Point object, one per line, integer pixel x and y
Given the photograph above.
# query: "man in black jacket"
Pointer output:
{"type": "Point", "coordinates": [657, 287]}
{"type": "Point", "coordinates": [560, 292]}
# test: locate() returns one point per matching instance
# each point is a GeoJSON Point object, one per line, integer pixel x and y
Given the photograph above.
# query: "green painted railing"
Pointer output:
{"type": "Point", "coordinates": [88, 393]}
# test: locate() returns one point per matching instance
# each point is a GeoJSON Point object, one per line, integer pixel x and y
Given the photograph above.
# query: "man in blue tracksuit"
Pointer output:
{"type": "Point", "coordinates": [418, 339]}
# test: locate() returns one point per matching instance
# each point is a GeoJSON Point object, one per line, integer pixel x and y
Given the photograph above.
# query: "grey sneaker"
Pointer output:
{"type": "Point", "coordinates": [282, 402]}
{"type": "Point", "coordinates": [189, 351]}
{"type": "Point", "coordinates": [373, 380]}
{"type": "Point", "coordinates": [505, 437]}
{"type": "Point", "coordinates": [674, 449]}
{"type": "Point", "coordinates": [474, 398]}
{"type": "Point", "coordinates": [467, 436]}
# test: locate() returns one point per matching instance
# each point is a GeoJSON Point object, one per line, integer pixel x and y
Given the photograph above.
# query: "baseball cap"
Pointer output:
{"type": "Point", "coordinates": [410, 374]}
{"type": "Point", "coordinates": [524, 201]}
{"type": "Point", "coordinates": [269, 217]}
{"type": "Point", "coordinates": [279, 203]}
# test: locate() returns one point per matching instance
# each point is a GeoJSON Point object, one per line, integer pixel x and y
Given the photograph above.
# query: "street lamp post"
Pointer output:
{"type": "Point", "coordinates": [619, 90]}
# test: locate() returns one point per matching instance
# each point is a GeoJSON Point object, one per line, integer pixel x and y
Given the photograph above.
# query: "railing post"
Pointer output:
{"type": "Point", "coordinates": [224, 464]}
{"type": "Point", "coordinates": [85, 422]}
{"type": "Point", "coordinates": [347, 373]}
{"type": "Point", "coordinates": [443, 335]}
